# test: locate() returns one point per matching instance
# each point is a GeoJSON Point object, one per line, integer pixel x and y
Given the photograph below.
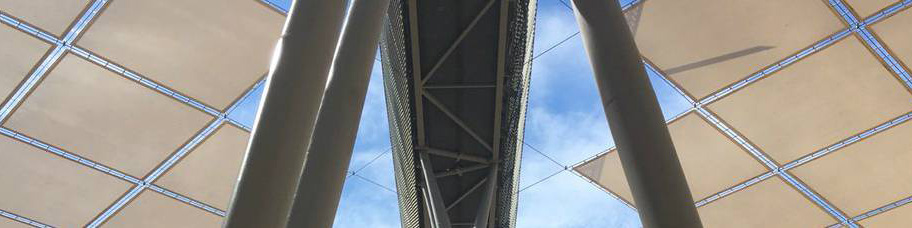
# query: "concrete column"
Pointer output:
{"type": "Point", "coordinates": [285, 121]}
{"type": "Point", "coordinates": [647, 154]}
{"type": "Point", "coordinates": [329, 154]}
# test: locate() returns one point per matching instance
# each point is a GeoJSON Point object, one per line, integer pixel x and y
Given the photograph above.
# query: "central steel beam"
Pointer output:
{"type": "Point", "coordinates": [285, 121]}
{"type": "Point", "coordinates": [647, 154]}
{"type": "Point", "coordinates": [486, 210]}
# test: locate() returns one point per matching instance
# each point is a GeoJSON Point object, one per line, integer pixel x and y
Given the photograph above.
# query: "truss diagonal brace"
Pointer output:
{"type": "Point", "coordinates": [458, 121]}
{"type": "Point", "coordinates": [466, 194]}
{"type": "Point", "coordinates": [456, 43]}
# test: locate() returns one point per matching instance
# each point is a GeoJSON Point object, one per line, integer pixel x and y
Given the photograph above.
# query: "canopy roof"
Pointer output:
{"type": "Point", "coordinates": [800, 118]}
{"type": "Point", "coordinates": [116, 112]}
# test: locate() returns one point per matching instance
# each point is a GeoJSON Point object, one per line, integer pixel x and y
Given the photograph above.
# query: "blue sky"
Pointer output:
{"type": "Point", "coordinates": [565, 122]}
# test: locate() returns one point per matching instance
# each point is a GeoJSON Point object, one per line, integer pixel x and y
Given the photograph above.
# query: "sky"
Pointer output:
{"type": "Point", "coordinates": [565, 125]}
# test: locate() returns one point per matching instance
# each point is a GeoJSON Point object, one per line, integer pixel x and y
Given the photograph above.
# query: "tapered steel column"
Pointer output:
{"type": "Point", "coordinates": [334, 135]}
{"type": "Point", "coordinates": [285, 120]}
{"type": "Point", "coordinates": [647, 154]}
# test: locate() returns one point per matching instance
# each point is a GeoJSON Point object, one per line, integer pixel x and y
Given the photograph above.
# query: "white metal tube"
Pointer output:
{"type": "Point", "coordinates": [647, 154]}
{"type": "Point", "coordinates": [321, 181]}
{"type": "Point", "coordinates": [285, 121]}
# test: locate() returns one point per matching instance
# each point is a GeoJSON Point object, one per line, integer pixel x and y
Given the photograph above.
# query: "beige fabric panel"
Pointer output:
{"type": "Point", "coordinates": [592, 169]}
{"type": "Point", "coordinates": [711, 161]}
{"type": "Point", "coordinates": [824, 98]}
{"type": "Point", "coordinates": [10, 223]}
{"type": "Point", "coordinates": [899, 217]}
{"type": "Point", "coordinates": [866, 8]}
{"type": "Point", "coordinates": [210, 171]}
{"type": "Point", "coordinates": [705, 45]}
{"type": "Point", "coordinates": [88, 110]}
{"type": "Point", "coordinates": [49, 15]}
{"type": "Point", "coordinates": [151, 209]}
{"type": "Point", "coordinates": [865, 175]}
{"type": "Point", "coordinates": [606, 171]}
{"type": "Point", "coordinates": [769, 203]}
{"type": "Point", "coordinates": [211, 50]}
{"type": "Point", "coordinates": [895, 33]}
{"type": "Point", "coordinates": [20, 53]}
{"type": "Point", "coordinates": [44, 187]}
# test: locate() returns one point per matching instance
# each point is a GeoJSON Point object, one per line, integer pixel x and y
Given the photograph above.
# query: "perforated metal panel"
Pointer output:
{"type": "Point", "coordinates": [396, 74]}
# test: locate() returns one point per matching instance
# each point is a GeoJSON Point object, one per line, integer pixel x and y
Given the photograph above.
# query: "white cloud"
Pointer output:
{"type": "Point", "coordinates": [566, 200]}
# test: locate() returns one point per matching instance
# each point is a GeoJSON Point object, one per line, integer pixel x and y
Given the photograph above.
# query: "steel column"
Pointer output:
{"type": "Point", "coordinates": [647, 154]}
{"type": "Point", "coordinates": [330, 151]}
{"type": "Point", "coordinates": [285, 121]}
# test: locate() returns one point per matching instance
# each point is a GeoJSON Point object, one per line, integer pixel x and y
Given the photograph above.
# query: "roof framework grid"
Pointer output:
{"type": "Point", "coordinates": [183, 62]}
{"type": "Point", "coordinates": [216, 184]}
{"type": "Point", "coordinates": [84, 108]}
{"type": "Point", "coordinates": [150, 209]}
{"type": "Point", "coordinates": [879, 172]}
{"type": "Point", "coordinates": [890, 218]}
{"type": "Point", "coordinates": [727, 45]}
{"type": "Point", "coordinates": [62, 45]}
{"type": "Point", "coordinates": [21, 52]}
{"type": "Point", "coordinates": [826, 103]}
{"type": "Point", "coordinates": [711, 161]}
{"type": "Point", "coordinates": [762, 206]}
{"type": "Point", "coordinates": [68, 195]}
{"type": "Point", "coordinates": [53, 17]}
{"type": "Point", "coordinates": [875, 45]}
{"type": "Point", "coordinates": [866, 8]}
{"type": "Point", "coordinates": [891, 36]}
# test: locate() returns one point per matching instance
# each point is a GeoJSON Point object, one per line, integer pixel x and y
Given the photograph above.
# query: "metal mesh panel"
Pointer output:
{"type": "Point", "coordinates": [520, 33]}
{"type": "Point", "coordinates": [396, 79]}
